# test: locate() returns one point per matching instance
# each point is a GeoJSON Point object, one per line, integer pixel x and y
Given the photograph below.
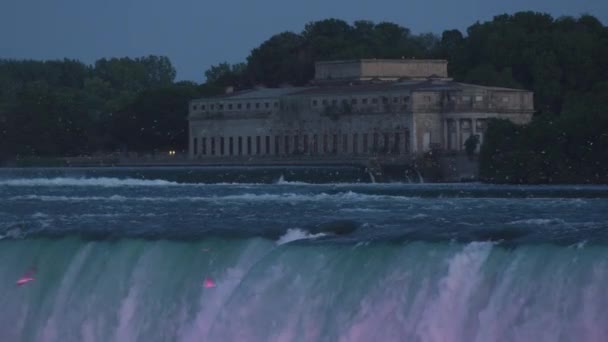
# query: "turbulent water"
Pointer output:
{"type": "Point", "coordinates": [124, 255]}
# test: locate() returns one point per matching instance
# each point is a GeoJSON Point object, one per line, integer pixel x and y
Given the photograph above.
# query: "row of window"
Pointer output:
{"type": "Point", "coordinates": [479, 98]}
{"type": "Point", "coordinates": [356, 101]}
{"type": "Point", "coordinates": [236, 106]}
{"type": "Point", "coordinates": [376, 143]}
{"type": "Point", "coordinates": [323, 102]}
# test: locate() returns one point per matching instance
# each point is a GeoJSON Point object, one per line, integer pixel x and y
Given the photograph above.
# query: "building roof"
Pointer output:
{"type": "Point", "coordinates": [257, 93]}
{"type": "Point", "coordinates": [408, 85]}
{"type": "Point", "coordinates": [356, 88]}
{"type": "Point", "coordinates": [405, 61]}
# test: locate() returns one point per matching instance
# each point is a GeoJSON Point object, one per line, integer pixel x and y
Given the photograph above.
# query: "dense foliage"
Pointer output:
{"type": "Point", "coordinates": [57, 108]}
{"type": "Point", "coordinates": [69, 108]}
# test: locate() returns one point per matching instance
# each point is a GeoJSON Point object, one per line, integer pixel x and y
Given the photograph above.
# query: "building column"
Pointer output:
{"type": "Point", "coordinates": [414, 136]}
{"type": "Point", "coordinates": [473, 126]}
{"type": "Point", "coordinates": [458, 136]}
{"type": "Point", "coordinates": [445, 134]}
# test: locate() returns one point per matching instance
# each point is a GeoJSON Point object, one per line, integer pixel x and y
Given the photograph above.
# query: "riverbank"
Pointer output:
{"type": "Point", "coordinates": [432, 168]}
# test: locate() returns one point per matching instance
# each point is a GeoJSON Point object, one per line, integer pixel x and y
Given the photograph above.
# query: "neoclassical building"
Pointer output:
{"type": "Point", "coordinates": [354, 108]}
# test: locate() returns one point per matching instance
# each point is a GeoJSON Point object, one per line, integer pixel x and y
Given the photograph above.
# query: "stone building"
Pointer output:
{"type": "Point", "coordinates": [358, 108]}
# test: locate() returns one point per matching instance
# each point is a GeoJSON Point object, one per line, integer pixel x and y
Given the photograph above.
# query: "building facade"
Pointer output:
{"type": "Point", "coordinates": [361, 108]}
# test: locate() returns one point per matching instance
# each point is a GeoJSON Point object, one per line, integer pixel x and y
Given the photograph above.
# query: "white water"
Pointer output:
{"type": "Point", "coordinates": [287, 197]}
{"type": "Point", "coordinates": [69, 181]}
{"type": "Point", "coordinates": [152, 291]}
{"type": "Point", "coordinates": [295, 234]}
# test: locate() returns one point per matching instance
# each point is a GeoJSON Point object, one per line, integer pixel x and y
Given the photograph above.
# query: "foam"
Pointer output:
{"type": "Point", "coordinates": [539, 221]}
{"type": "Point", "coordinates": [101, 181]}
{"type": "Point", "coordinates": [264, 197]}
{"type": "Point", "coordinates": [295, 234]}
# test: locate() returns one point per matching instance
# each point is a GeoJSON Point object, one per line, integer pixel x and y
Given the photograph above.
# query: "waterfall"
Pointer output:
{"type": "Point", "coordinates": [420, 179]}
{"type": "Point", "coordinates": [371, 176]}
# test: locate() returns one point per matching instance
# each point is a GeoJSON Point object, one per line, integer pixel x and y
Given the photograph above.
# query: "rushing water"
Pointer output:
{"type": "Point", "coordinates": [123, 255]}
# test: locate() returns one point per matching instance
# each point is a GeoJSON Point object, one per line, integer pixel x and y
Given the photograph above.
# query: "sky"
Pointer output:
{"type": "Point", "coordinates": [196, 34]}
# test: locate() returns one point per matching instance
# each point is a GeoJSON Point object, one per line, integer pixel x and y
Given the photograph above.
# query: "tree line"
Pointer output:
{"type": "Point", "coordinates": [69, 108]}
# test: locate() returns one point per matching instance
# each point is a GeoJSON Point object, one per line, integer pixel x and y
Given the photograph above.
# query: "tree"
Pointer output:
{"type": "Point", "coordinates": [470, 145]}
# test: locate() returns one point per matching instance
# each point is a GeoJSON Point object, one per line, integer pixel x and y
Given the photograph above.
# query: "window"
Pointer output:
{"type": "Point", "coordinates": [193, 107]}
{"type": "Point", "coordinates": [220, 106]}
{"type": "Point", "coordinates": [258, 148]}
{"type": "Point", "coordinates": [324, 102]}
{"type": "Point", "coordinates": [406, 99]}
{"type": "Point", "coordinates": [386, 146]}
{"type": "Point", "coordinates": [212, 146]}
{"type": "Point", "coordinates": [364, 101]}
{"type": "Point", "coordinates": [240, 145]}
{"type": "Point", "coordinates": [276, 105]}
{"type": "Point", "coordinates": [505, 99]}
{"type": "Point", "coordinates": [257, 105]}
{"type": "Point", "coordinates": [335, 144]}
{"type": "Point", "coordinates": [355, 143]}
{"type": "Point", "coordinates": [267, 144]}
{"type": "Point", "coordinates": [406, 141]}
{"type": "Point", "coordinates": [212, 106]}
{"type": "Point", "coordinates": [195, 146]}
{"type": "Point", "coordinates": [230, 106]}
{"type": "Point", "coordinates": [395, 100]}
{"type": "Point", "coordinates": [466, 98]}
{"type": "Point", "coordinates": [324, 143]}
{"type": "Point", "coordinates": [248, 146]}
{"type": "Point", "coordinates": [204, 147]}
{"type": "Point", "coordinates": [203, 107]}
{"type": "Point", "coordinates": [222, 146]}
{"type": "Point", "coordinates": [375, 143]}
{"type": "Point", "coordinates": [384, 100]}
{"type": "Point", "coordinates": [239, 106]}
{"type": "Point", "coordinates": [478, 98]}
{"type": "Point", "coordinates": [248, 106]}
{"type": "Point", "coordinates": [305, 142]}
{"type": "Point", "coordinates": [334, 102]}
{"type": "Point", "coordinates": [266, 104]}
{"type": "Point", "coordinates": [353, 101]}
{"type": "Point", "coordinates": [286, 151]}
{"type": "Point", "coordinates": [427, 98]}
{"type": "Point", "coordinates": [315, 144]}
{"type": "Point", "coordinates": [374, 100]}
{"type": "Point", "coordinates": [231, 146]}
{"type": "Point", "coordinates": [396, 144]}
{"type": "Point", "coordinates": [314, 103]}
{"type": "Point", "coordinates": [345, 143]}
{"type": "Point", "coordinates": [365, 143]}
{"type": "Point", "coordinates": [296, 143]}
{"type": "Point", "coordinates": [277, 141]}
